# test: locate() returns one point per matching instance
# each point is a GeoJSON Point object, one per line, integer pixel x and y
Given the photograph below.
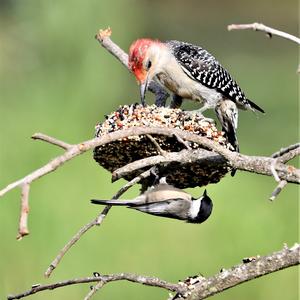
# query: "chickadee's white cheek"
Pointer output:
{"type": "Point", "coordinates": [195, 207]}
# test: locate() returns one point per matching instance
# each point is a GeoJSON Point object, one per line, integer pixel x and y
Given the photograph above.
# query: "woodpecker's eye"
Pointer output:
{"type": "Point", "coordinates": [148, 65]}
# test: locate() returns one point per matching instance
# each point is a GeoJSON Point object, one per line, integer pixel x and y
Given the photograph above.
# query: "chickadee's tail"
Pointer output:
{"type": "Point", "coordinates": [114, 202]}
{"type": "Point", "coordinates": [106, 202]}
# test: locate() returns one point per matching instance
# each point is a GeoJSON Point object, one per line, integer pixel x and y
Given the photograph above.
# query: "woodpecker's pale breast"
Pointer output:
{"type": "Point", "coordinates": [171, 75]}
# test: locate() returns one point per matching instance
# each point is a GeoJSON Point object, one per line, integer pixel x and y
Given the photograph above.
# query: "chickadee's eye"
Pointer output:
{"type": "Point", "coordinates": [148, 65]}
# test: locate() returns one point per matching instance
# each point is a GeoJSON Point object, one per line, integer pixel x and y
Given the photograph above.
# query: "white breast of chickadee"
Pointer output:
{"type": "Point", "coordinates": [164, 200]}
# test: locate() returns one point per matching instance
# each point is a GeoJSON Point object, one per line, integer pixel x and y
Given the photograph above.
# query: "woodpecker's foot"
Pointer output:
{"type": "Point", "coordinates": [198, 113]}
{"type": "Point", "coordinates": [210, 120]}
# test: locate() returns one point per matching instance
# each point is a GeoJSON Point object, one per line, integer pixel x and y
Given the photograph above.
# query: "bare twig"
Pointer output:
{"type": "Point", "coordinates": [289, 156]}
{"type": "Point", "coordinates": [103, 37]}
{"type": "Point", "coordinates": [23, 226]}
{"type": "Point", "coordinates": [268, 30]}
{"type": "Point", "coordinates": [288, 153]}
{"type": "Point", "coordinates": [285, 150]}
{"type": "Point", "coordinates": [183, 142]}
{"type": "Point", "coordinates": [145, 280]}
{"type": "Point", "coordinates": [51, 140]}
{"type": "Point", "coordinates": [206, 287]}
{"type": "Point", "coordinates": [74, 239]}
{"type": "Point", "coordinates": [278, 189]}
{"type": "Point", "coordinates": [94, 290]}
{"type": "Point", "coordinates": [283, 156]}
{"type": "Point", "coordinates": [97, 221]}
{"type": "Point", "coordinates": [157, 146]}
{"type": "Point", "coordinates": [273, 170]}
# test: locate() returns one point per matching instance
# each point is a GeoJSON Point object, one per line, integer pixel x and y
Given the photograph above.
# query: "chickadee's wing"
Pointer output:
{"type": "Point", "coordinates": [164, 192]}
{"type": "Point", "coordinates": [171, 208]}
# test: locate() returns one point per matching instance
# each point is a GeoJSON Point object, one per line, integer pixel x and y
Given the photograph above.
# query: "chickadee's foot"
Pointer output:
{"type": "Point", "coordinates": [154, 173]}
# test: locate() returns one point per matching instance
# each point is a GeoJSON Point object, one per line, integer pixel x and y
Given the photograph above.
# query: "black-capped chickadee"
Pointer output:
{"type": "Point", "coordinates": [164, 200]}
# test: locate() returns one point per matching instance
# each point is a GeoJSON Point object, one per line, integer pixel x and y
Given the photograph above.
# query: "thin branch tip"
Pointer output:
{"type": "Point", "coordinates": [103, 33]}
{"type": "Point", "coordinates": [51, 140]}
{"type": "Point", "coordinates": [269, 31]}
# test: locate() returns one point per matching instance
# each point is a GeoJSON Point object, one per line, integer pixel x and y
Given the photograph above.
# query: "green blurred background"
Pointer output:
{"type": "Point", "coordinates": [56, 79]}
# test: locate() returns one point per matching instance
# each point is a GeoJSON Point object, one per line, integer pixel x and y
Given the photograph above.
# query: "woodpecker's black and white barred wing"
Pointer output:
{"type": "Point", "coordinates": [201, 66]}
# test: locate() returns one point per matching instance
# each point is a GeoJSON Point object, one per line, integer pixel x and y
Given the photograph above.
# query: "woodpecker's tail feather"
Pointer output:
{"type": "Point", "coordinates": [227, 114]}
{"type": "Point", "coordinates": [255, 106]}
{"type": "Point", "coordinates": [232, 138]}
{"type": "Point", "coordinates": [115, 202]}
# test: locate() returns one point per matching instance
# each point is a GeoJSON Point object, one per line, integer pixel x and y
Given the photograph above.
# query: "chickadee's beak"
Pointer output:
{"type": "Point", "coordinates": [143, 90]}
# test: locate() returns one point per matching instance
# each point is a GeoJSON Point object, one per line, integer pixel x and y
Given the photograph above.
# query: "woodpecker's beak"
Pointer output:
{"type": "Point", "coordinates": [205, 193]}
{"type": "Point", "coordinates": [143, 90]}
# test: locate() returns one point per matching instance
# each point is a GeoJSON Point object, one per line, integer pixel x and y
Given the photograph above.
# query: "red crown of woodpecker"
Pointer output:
{"type": "Point", "coordinates": [137, 53]}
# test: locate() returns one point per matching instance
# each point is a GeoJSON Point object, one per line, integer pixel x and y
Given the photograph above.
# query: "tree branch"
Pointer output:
{"type": "Point", "coordinates": [196, 289]}
{"type": "Point", "coordinates": [184, 156]}
{"type": "Point", "coordinates": [23, 226]}
{"type": "Point", "coordinates": [257, 267]}
{"type": "Point", "coordinates": [257, 164]}
{"type": "Point", "coordinates": [268, 30]}
{"type": "Point", "coordinates": [97, 221]}
{"type": "Point", "coordinates": [145, 280]}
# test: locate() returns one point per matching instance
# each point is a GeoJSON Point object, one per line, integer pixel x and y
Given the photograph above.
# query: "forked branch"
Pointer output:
{"type": "Point", "coordinates": [255, 164]}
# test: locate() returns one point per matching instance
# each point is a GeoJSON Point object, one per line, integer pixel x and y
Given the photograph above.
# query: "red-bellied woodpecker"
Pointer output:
{"type": "Point", "coordinates": [190, 72]}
